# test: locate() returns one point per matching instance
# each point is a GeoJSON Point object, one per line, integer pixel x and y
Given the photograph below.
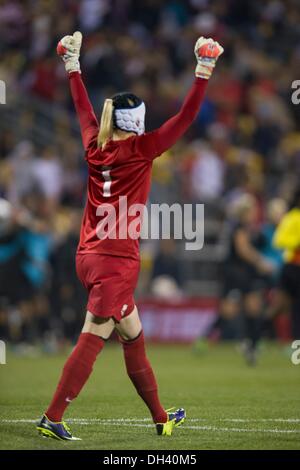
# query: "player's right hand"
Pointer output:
{"type": "Point", "coordinates": [68, 49]}
{"type": "Point", "coordinates": [207, 52]}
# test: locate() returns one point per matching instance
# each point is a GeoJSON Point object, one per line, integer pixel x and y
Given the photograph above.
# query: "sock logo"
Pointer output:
{"type": "Point", "coordinates": [123, 310]}
{"type": "Point", "coordinates": [68, 399]}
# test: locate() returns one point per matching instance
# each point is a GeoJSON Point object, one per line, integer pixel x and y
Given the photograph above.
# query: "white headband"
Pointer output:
{"type": "Point", "coordinates": [131, 119]}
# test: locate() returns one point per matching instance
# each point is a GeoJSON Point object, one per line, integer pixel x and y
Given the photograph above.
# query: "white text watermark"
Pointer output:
{"type": "Point", "coordinates": [2, 92]}
{"type": "Point", "coordinates": [160, 221]}
{"type": "Point", "coordinates": [295, 357]}
{"type": "Point", "coordinates": [296, 94]}
{"type": "Point", "coordinates": [2, 352]}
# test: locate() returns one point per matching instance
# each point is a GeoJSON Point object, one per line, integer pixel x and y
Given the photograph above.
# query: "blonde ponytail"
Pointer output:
{"type": "Point", "coordinates": [106, 125]}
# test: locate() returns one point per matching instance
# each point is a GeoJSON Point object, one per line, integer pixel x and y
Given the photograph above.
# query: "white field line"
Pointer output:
{"type": "Point", "coordinates": [211, 428]}
{"type": "Point", "coordinates": [145, 423]}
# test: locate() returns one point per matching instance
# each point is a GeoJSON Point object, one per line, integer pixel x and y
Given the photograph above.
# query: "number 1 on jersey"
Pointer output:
{"type": "Point", "coordinates": [107, 183]}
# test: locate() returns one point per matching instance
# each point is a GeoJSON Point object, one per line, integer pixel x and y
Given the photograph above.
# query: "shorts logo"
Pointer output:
{"type": "Point", "coordinates": [124, 308]}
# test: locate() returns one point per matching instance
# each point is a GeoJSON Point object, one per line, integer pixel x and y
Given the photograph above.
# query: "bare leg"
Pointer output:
{"type": "Point", "coordinates": [130, 326]}
{"type": "Point", "coordinates": [98, 326]}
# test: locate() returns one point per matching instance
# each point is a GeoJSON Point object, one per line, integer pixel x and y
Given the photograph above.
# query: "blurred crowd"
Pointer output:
{"type": "Point", "coordinates": [245, 141]}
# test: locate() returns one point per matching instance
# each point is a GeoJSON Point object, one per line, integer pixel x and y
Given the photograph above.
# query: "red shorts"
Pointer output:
{"type": "Point", "coordinates": [110, 282]}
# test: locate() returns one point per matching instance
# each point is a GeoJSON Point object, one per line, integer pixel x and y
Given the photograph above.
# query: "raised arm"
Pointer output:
{"type": "Point", "coordinates": [166, 136]}
{"type": "Point", "coordinates": [88, 122]}
{"type": "Point", "coordinates": [155, 143]}
{"type": "Point", "coordinates": [69, 49]}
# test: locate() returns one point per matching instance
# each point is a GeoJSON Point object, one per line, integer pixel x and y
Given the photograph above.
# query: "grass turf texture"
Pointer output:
{"type": "Point", "coordinates": [229, 405]}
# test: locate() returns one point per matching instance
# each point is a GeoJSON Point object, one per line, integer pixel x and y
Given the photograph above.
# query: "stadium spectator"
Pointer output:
{"type": "Point", "coordinates": [25, 245]}
{"type": "Point", "coordinates": [166, 262]}
{"type": "Point", "coordinates": [68, 298]}
{"type": "Point", "coordinates": [207, 175]}
{"type": "Point", "coordinates": [287, 238]}
{"type": "Point", "coordinates": [244, 270]}
{"type": "Point", "coordinates": [276, 209]}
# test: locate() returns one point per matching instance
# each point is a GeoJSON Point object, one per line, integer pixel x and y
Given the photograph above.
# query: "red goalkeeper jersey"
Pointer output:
{"type": "Point", "coordinates": [119, 176]}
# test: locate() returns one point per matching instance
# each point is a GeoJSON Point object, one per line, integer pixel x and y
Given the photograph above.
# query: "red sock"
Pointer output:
{"type": "Point", "coordinates": [76, 371]}
{"type": "Point", "coordinates": [141, 374]}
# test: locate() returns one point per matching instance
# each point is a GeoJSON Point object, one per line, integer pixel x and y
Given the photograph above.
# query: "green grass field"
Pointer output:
{"type": "Point", "coordinates": [229, 405]}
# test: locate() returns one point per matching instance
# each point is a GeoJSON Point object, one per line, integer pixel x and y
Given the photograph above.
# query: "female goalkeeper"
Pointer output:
{"type": "Point", "coordinates": [119, 156]}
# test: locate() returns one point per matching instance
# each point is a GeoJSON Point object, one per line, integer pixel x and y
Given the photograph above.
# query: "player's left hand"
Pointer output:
{"type": "Point", "coordinates": [207, 52]}
{"type": "Point", "coordinates": [68, 49]}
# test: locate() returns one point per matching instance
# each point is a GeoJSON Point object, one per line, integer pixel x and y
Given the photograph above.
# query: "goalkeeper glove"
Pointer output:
{"type": "Point", "coordinates": [68, 49]}
{"type": "Point", "coordinates": [207, 53]}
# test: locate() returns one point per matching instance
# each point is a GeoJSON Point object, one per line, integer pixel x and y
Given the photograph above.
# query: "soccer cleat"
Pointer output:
{"type": "Point", "coordinates": [59, 431]}
{"type": "Point", "coordinates": [175, 418]}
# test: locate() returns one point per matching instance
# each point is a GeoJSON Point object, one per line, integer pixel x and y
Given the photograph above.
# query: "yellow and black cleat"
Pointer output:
{"type": "Point", "coordinates": [59, 430]}
{"type": "Point", "coordinates": [175, 418]}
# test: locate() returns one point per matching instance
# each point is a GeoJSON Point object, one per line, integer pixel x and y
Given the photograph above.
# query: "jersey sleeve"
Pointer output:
{"type": "Point", "coordinates": [153, 144]}
{"type": "Point", "coordinates": [89, 125]}
{"type": "Point", "coordinates": [287, 234]}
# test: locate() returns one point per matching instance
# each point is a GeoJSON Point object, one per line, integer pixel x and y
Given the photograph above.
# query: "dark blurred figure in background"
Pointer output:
{"type": "Point", "coordinates": [25, 245]}
{"type": "Point", "coordinates": [166, 262]}
{"type": "Point", "coordinates": [68, 297]}
{"type": "Point", "coordinates": [276, 208]}
{"type": "Point", "coordinates": [14, 285]}
{"type": "Point", "coordinates": [166, 276]}
{"type": "Point", "coordinates": [243, 278]}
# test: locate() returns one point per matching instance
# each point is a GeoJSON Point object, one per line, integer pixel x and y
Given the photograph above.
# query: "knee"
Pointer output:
{"type": "Point", "coordinates": [130, 327]}
{"type": "Point", "coordinates": [127, 338]}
